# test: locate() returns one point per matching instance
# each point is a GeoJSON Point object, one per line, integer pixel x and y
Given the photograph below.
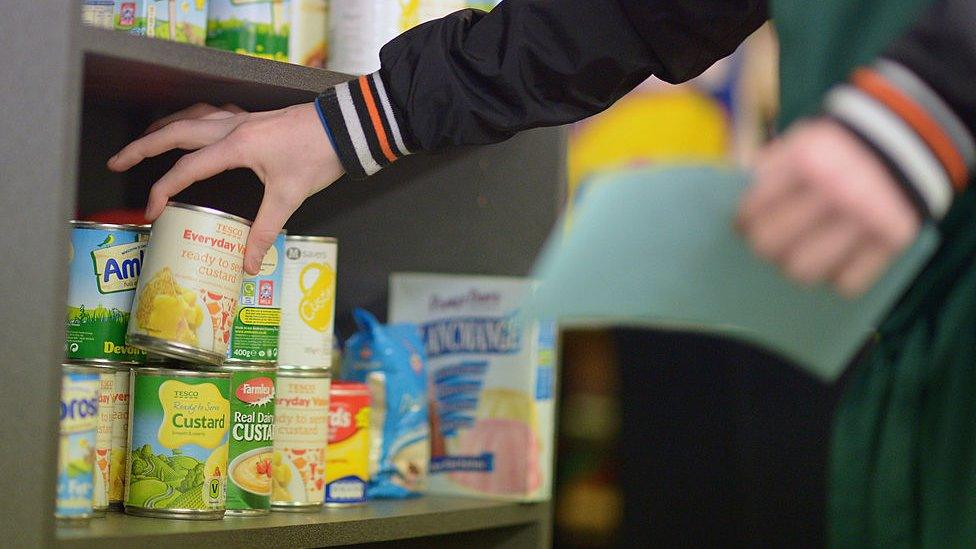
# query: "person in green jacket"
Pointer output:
{"type": "Point", "coordinates": [878, 112]}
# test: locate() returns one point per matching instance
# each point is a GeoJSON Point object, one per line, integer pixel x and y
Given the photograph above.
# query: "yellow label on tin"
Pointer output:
{"type": "Point", "coordinates": [192, 414]}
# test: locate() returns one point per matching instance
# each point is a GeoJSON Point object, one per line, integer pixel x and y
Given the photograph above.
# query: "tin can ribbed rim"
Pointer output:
{"type": "Point", "coordinates": [308, 238]}
{"type": "Point", "coordinates": [115, 366]}
{"type": "Point", "coordinates": [305, 372]}
{"type": "Point", "coordinates": [180, 372]}
{"type": "Point", "coordinates": [142, 229]}
{"type": "Point", "coordinates": [341, 387]}
{"type": "Point", "coordinates": [204, 209]}
{"type": "Point", "coordinates": [78, 368]}
{"type": "Point", "coordinates": [247, 367]}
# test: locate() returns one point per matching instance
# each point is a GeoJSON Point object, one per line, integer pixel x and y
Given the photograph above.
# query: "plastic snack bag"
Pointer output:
{"type": "Point", "coordinates": [390, 360]}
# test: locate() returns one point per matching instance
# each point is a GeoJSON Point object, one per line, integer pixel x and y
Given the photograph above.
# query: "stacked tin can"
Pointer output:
{"type": "Point", "coordinates": [304, 373]}
{"type": "Point", "coordinates": [104, 262]}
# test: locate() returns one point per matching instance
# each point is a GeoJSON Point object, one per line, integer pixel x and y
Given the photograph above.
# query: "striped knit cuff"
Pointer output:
{"type": "Point", "coordinates": [363, 125]}
{"type": "Point", "coordinates": [919, 137]}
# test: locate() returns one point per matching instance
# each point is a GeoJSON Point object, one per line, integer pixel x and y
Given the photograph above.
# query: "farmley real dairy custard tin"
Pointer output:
{"type": "Point", "coordinates": [187, 294]}
{"type": "Point", "coordinates": [308, 302]}
{"type": "Point", "coordinates": [178, 437]}
{"type": "Point", "coordinates": [104, 262]}
{"type": "Point", "coordinates": [301, 434]}
{"type": "Point", "coordinates": [252, 412]}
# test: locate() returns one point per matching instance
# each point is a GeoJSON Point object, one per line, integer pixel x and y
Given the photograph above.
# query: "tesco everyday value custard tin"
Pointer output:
{"type": "Point", "coordinates": [187, 295]}
{"type": "Point", "coordinates": [301, 434]}
{"type": "Point", "coordinates": [178, 437]}
{"type": "Point", "coordinates": [104, 263]}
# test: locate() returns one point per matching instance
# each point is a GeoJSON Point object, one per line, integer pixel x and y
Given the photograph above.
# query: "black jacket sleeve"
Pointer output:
{"type": "Point", "coordinates": [916, 105]}
{"type": "Point", "coordinates": [474, 78]}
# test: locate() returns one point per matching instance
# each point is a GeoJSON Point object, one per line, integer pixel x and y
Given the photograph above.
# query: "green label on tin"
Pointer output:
{"type": "Point", "coordinates": [254, 333]}
{"type": "Point", "coordinates": [178, 456]}
{"type": "Point", "coordinates": [251, 434]}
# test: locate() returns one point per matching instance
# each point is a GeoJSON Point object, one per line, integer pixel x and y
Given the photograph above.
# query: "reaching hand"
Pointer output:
{"type": "Point", "coordinates": [288, 150]}
{"type": "Point", "coordinates": [824, 208]}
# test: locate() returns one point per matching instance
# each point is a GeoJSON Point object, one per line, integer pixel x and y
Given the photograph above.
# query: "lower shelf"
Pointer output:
{"type": "Point", "coordinates": [379, 521]}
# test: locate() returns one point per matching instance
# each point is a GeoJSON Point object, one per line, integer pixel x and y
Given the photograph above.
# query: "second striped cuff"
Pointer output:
{"type": "Point", "coordinates": [920, 137]}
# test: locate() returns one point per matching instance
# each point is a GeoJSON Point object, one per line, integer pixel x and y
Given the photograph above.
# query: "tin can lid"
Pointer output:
{"type": "Point", "coordinates": [142, 229]}
{"type": "Point", "coordinates": [80, 368]}
{"type": "Point", "coordinates": [310, 238]}
{"type": "Point", "coordinates": [181, 372]}
{"type": "Point", "coordinates": [284, 371]}
{"type": "Point", "coordinates": [340, 386]}
{"type": "Point", "coordinates": [246, 366]}
{"type": "Point", "coordinates": [204, 209]}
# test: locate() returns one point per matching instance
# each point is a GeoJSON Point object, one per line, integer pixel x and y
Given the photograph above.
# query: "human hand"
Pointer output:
{"type": "Point", "coordinates": [288, 150]}
{"type": "Point", "coordinates": [823, 207]}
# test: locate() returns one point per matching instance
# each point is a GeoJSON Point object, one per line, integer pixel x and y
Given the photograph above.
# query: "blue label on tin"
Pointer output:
{"type": "Point", "coordinates": [346, 490]}
{"type": "Point", "coordinates": [76, 458]}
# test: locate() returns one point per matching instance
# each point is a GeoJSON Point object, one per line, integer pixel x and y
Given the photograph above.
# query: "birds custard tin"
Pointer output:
{"type": "Point", "coordinates": [187, 295]}
{"type": "Point", "coordinates": [301, 434]}
{"type": "Point", "coordinates": [308, 302]}
{"type": "Point", "coordinates": [178, 438]}
{"type": "Point", "coordinates": [347, 456]}
{"type": "Point", "coordinates": [252, 416]}
{"type": "Point", "coordinates": [254, 332]}
{"type": "Point", "coordinates": [104, 262]}
{"type": "Point", "coordinates": [80, 389]}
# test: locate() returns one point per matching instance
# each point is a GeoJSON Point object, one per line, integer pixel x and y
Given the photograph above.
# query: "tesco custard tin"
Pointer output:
{"type": "Point", "coordinates": [187, 295]}
{"type": "Point", "coordinates": [308, 302]}
{"type": "Point", "coordinates": [118, 466]}
{"type": "Point", "coordinates": [257, 322]}
{"type": "Point", "coordinates": [301, 434]}
{"type": "Point", "coordinates": [103, 440]}
{"type": "Point", "coordinates": [104, 263]}
{"type": "Point", "coordinates": [252, 413]}
{"type": "Point", "coordinates": [347, 456]}
{"type": "Point", "coordinates": [80, 388]}
{"type": "Point", "coordinates": [178, 437]}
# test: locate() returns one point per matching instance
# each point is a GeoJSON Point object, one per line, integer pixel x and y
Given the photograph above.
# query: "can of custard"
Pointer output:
{"type": "Point", "coordinates": [80, 390]}
{"type": "Point", "coordinates": [187, 294]}
{"type": "Point", "coordinates": [301, 435]}
{"type": "Point", "coordinates": [308, 302]}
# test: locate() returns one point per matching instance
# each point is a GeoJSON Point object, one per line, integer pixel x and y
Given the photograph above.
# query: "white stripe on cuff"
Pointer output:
{"type": "Point", "coordinates": [388, 110]}
{"type": "Point", "coordinates": [898, 141]}
{"type": "Point", "coordinates": [910, 83]}
{"type": "Point", "coordinates": [355, 129]}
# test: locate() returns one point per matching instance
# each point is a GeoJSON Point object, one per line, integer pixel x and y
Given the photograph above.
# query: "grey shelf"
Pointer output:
{"type": "Point", "coordinates": [379, 521]}
{"type": "Point", "coordinates": [72, 97]}
{"type": "Point", "coordinates": [162, 74]}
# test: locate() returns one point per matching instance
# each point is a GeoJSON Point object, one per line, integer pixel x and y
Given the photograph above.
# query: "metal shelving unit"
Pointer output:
{"type": "Point", "coordinates": [70, 97]}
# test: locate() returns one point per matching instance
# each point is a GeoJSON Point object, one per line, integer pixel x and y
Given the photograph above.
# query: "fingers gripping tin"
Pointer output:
{"type": "Point", "coordinates": [347, 456]}
{"type": "Point", "coordinates": [80, 389]}
{"type": "Point", "coordinates": [254, 332]}
{"type": "Point", "coordinates": [301, 434]}
{"type": "Point", "coordinates": [178, 433]}
{"type": "Point", "coordinates": [308, 302]}
{"type": "Point", "coordinates": [252, 406]}
{"type": "Point", "coordinates": [104, 263]}
{"type": "Point", "coordinates": [187, 295]}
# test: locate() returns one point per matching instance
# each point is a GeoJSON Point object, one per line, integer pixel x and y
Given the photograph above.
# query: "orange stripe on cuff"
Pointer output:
{"type": "Point", "coordinates": [926, 127]}
{"type": "Point", "coordinates": [374, 115]}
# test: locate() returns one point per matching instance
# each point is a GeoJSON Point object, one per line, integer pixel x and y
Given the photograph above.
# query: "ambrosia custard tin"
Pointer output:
{"type": "Point", "coordinates": [104, 263]}
{"type": "Point", "coordinates": [80, 389]}
{"type": "Point", "coordinates": [187, 294]}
